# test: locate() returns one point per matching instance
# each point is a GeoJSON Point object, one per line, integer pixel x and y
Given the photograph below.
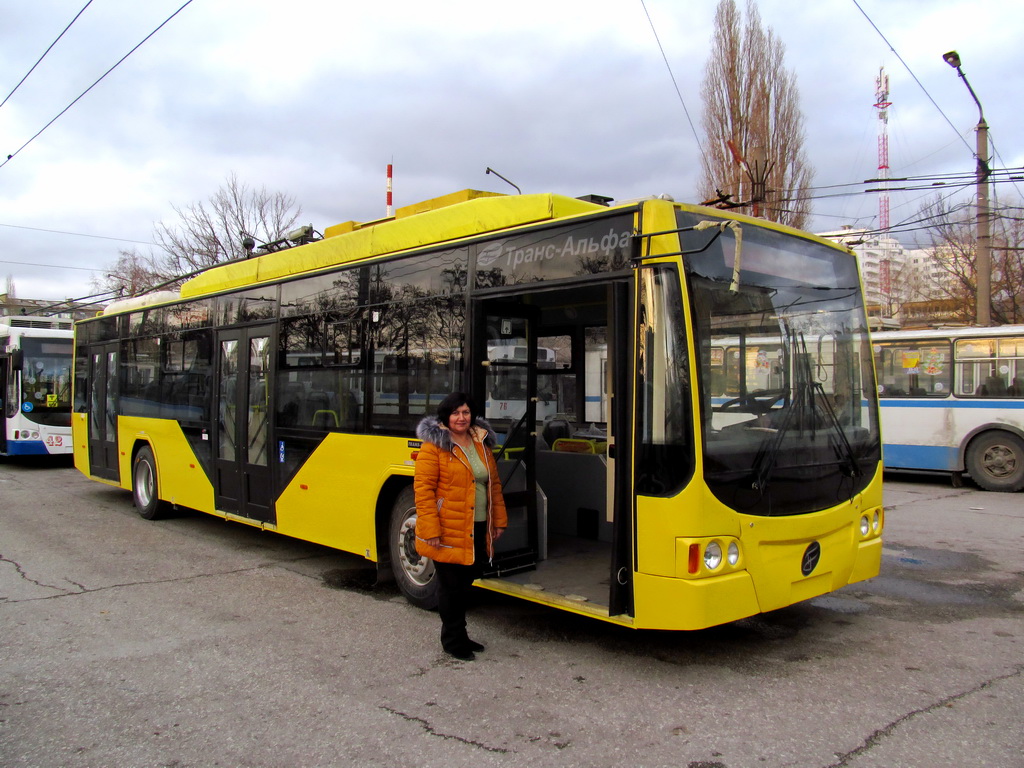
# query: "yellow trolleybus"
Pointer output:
{"type": "Point", "coordinates": [282, 392]}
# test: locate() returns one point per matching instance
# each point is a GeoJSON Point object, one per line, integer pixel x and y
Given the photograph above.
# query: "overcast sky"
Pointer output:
{"type": "Point", "coordinates": [313, 98]}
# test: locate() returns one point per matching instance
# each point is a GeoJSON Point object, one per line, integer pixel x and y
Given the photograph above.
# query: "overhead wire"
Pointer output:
{"type": "Point", "coordinates": [671, 75]}
{"type": "Point", "coordinates": [23, 79]}
{"type": "Point", "coordinates": [83, 93]}
{"type": "Point", "coordinates": [78, 234]}
{"type": "Point", "coordinates": [51, 266]}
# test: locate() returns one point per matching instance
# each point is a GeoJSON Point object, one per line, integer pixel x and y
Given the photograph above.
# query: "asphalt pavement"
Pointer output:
{"type": "Point", "coordinates": [197, 642]}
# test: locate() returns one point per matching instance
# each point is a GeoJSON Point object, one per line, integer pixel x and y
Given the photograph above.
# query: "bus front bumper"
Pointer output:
{"type": "Point", "coordinates": [677, 603]}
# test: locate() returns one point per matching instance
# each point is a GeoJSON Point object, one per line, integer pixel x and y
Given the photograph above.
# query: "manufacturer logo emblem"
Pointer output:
{"type": "Point", "coordinates": [810, 559]}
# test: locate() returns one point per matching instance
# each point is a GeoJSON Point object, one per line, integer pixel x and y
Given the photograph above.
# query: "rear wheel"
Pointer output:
{"type": "Point", "coordinates": [996, 461]}
{"type": "Point", "coordinates": [413, 572]}
{"type": "Point", "coordinates": [145, 490]}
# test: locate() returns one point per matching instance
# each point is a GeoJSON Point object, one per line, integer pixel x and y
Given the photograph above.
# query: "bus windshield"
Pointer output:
{"type": "Point", "coordinates": [46, 381]}
{"type": "Point", "coordinates": [789, 411]}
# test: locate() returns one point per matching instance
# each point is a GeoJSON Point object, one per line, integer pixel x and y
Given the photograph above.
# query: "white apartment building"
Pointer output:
{"type": "Point", "coordinates": [892, 274]}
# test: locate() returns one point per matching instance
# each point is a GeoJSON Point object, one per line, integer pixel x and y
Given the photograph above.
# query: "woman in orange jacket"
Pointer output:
{"type": "Point", "coordinates": [460, 511]}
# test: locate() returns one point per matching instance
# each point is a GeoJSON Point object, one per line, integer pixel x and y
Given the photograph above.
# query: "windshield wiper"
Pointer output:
{"type": "Point", "coordinates": [810, 402]}
{"type": "Point", "coordinates": [841, 447]}
{"type": "Point", "coordinates": [764, 461]}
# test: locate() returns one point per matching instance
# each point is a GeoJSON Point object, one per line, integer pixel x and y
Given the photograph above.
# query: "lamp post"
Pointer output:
{"type": "Point", "coordinates": [983, 258]}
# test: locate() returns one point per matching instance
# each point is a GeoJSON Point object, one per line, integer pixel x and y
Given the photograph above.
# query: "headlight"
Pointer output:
{"type": "Point", "coordinates": [733, 555]}
{"type": "Point", "coordinates": [712, 555]}
{"type": "Point", "coordinates": [876, 521]}
{"type": "Point", "coordinates": [865, 527]}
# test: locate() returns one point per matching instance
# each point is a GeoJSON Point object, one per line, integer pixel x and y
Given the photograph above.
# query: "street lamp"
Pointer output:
{"type": "Point", "coordinates": [983, 268]}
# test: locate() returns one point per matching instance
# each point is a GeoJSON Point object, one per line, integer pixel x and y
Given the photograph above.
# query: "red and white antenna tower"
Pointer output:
{"type": "Point", "coordinates": [390, 209]}
{"type": "Point", "coordinates": [882, 104]}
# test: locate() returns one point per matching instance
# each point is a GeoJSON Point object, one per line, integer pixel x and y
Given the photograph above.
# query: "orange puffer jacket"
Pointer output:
{"type": "Point", "coordinates": [446, 493]}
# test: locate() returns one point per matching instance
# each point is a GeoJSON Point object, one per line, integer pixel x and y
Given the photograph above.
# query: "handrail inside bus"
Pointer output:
{"type": "Point", "coordinates": [512, 433]}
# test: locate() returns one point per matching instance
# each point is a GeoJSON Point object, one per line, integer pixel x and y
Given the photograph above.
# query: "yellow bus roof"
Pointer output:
{"type": "Point", "coordinates": [462, 214]}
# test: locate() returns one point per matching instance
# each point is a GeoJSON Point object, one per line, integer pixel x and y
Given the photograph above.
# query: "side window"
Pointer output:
{"type": "Point", "coordinates": [917, 368]}
{"type": "Point", "coordinates": [990, 367]}
{"type": "Point", "coordinates": [187, 378]}
{"type": "Point", "coordinates": [666, 452]}
{"type": "Point", "coordinates": [416, 346]}
{"type": "Point", "coordinates": [320, 376]}
{"type": "Point", "coordinates": [141, 377]}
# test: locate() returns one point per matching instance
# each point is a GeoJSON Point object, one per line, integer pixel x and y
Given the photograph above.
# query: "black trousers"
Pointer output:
{"type": "Point", "coordinates": [453, 585]}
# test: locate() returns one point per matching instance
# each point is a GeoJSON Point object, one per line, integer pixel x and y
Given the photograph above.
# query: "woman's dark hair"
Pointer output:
{"type": "Point", "coordinates": [453, 402]}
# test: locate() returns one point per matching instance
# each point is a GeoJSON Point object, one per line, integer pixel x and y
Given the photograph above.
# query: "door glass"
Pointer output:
{"type": "Point", "coordinates": [96, 408]}
{"type": "Point", "coordinates": [111, 413]}
{"type": "Point", "coordinates": [556, 379]}
{"type": "Point", "coordinates": [506, 339]}
{"type": "Point", "coordinates": [257, 416]}
{"type": "Point", "coordinates": [507, 376]}
{"type": "Point", "coordinates": [228, 393]}
{"type": "Point", "coordinates": [595, 355]}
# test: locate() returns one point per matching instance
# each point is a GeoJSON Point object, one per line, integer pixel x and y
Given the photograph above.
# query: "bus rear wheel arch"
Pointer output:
{"type": "Point", "coordinates": [146, 486]}
{"type": "Point", "coordinates": [413, 572]}
{"type": "Point", "coordinates": [995, 460]}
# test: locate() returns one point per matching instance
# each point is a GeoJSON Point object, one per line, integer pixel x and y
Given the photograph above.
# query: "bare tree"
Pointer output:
{"type": "Point", "coordinates": [1008, 265]}
{"type": "Point", "coordinates": [132, 274]}
{"type": "Point", "coordinates": [206, 233]}
{"type": "Point", "coordinates": [752, 121]}
{"type": "Point", "coordinates": [952, 241]}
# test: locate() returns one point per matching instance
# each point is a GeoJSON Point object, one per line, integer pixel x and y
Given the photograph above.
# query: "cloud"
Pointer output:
{"type": "Point", "coordinates": [313, 99]}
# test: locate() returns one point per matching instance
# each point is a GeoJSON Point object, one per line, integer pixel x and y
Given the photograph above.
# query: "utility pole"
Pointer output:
{"type": "Point", "coordinates": [983, 247]}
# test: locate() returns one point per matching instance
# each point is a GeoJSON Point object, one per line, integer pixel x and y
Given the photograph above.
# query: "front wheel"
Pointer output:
{"type": "Point", "coordinates": [413, 572]}
{"type": "Point", "coordinates": [145, 490]}
{"type": "Point", "coordinates": [996, 461]}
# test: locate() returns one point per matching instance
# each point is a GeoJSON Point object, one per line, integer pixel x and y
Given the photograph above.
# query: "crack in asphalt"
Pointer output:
{"type": "Point", "coordinates": [83, 590]}
{"type": "Point", "coordinates": [876, 737]}
{"type": "Point", "coordinates": [433, 732]}
{"type": "Point", "coordinates": [25, 577]}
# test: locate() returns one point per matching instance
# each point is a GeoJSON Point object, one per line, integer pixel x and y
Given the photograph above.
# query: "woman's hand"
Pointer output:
{"type": "Point", "coordinates": [434, 542]}
{"type": "Point", "coordinates": [498, 532]}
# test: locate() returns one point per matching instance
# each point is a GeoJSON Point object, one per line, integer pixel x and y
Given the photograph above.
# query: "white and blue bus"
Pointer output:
{"type": "Point", "coordinates": [953, 401]}
{"type": "Point", "coordinates": [35, 385]}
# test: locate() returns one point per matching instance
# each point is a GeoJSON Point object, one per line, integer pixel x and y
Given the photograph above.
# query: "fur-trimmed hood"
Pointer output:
{"type": "Point", "coordinates": [431, 430]}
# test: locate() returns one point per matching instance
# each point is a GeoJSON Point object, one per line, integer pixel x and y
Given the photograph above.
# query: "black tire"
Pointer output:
{"type": "Point", "coordinates": [995, 461]}
{"type": "Point", "coordinates": [145, 488]}
{"type": "Point", "coordinates": [413, 573]}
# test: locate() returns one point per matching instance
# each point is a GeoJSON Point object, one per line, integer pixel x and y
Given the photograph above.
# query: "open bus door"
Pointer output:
{"type": "Point", "coordinates": [620, 447]}
{"type": "Point", "coordinates": [242, 450]}
{"type": "Point", "coordinates": [506, 387]}
{"type": "Point", "coordinates": [104, 365]}
{"type": "Point", "coordinates": [571, 513]}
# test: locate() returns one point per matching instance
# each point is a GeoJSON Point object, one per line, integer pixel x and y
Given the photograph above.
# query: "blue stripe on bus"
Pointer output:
{"type": "Point", "coordinates": [26, 448]}
{"type": "Point", "coordinates": [920, 457]}
{"type": "Point", "coordinates": [944, 403]}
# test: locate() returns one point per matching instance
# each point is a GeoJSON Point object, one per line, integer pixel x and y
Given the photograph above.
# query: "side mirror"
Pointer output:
{"type": "Point", "coordinates": [17, 359]}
